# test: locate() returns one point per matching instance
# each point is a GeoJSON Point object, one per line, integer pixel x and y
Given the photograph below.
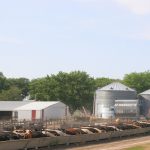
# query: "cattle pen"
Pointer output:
{"type": "Point", "coordinates": [50, 142]}
{"type": "Point", "coordinates": [37, 143]}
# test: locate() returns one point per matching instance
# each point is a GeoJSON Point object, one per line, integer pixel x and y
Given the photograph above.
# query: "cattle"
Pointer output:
{"type": "Point", "coordinates": [22, 134]}
{"type": "Point", "coordinates": [142, 124]}
{"type": "Point", "coordinates": [73, 131]}
{"type": "Point", "coordinates": [87, 131]}
{"type": "Point", "coordinates": [54, 133]}
{"type": "Point", "coordinates": [38, 134]}
{"type": "Point", "coordinates": [92, 129]}
{"type": "Point", "coordinates": [125, 126]}
{"type": "Point", "coordinates": [19, 133]}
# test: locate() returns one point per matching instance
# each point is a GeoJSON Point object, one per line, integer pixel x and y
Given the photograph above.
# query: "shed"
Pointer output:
{"type": "Point", "coordinates": [7, 107]}
{"type": "Point", "coordinates": [42, 110]}
{"type": "Point", "coordinates": [33, 110]}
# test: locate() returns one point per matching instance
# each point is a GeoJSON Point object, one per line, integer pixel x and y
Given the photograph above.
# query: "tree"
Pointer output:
{"type": "Point", "coordinates": [21, 83]}
{"type": "Point", "coordinates": [4, 85]}
{"type": "Point", "coordinates": [101, 82]}
{"type": "Point", "coordinates": [75, 89]}
{"type": "Point", "coordinates": [138, 81]}
{"type": "Point", "coordinates": [12, 94]}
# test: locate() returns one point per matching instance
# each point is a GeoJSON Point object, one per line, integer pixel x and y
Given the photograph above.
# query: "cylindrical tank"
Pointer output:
{"type": "Point", "coordinates": [106, 96]}
{"type": "Point", "coordinates": [145, 103]}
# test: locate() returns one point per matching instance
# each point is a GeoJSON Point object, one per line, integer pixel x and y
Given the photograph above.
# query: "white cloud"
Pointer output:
{"type": "Point", "coordinates": [139, 7]}
{"type": "Point", "coordinates": [10, 40]}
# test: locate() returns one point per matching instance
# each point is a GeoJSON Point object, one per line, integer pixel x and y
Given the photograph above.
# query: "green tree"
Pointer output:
{"type": "Point", "coordinates": [21, 83]}
{"type": "Point", "coordinates": [138, 81]}
{"type": "Point", "coordinates": [75, 89]}
{"type": "Point", "coordinates": [4, 85]}
{"type": "Point", "coordinates": [101, 82]}
{"type": "Point", "coordinates": [12, 94]}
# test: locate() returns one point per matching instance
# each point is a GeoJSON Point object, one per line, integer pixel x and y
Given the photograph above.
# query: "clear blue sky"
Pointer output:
{"type": "Point", "coordinates": [105, 38]}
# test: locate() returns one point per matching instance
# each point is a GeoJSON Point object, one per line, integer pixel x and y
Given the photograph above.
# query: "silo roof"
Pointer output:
{"type": "Point", "coordinates": [145, 92]}
{"type": "Point", "coordinates": [116, 86]}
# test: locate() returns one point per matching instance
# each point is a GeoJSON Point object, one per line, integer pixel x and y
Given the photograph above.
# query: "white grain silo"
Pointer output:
{"type": "Point", "coordinates": [105, 97]}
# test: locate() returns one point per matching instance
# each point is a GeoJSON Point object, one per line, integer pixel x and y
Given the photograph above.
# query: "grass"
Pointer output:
{"type": "Point", "coordinates": [136, 148]}
{"type": "Point", "coordinates": [140, 147]}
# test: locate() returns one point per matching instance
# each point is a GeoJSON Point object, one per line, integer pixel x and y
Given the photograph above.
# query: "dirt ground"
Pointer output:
{"type": "Point", "coordinates": [140, 143]}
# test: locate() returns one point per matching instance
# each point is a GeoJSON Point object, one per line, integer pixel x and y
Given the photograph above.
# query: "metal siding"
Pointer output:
{"type": "Point", "coordinates": [27, 115]}
{"type": "Point", "coordinates": [145, 105]}
{"type": "Point", "coordinates": [56, 111]}
{"type": "Point", "coordinates": [127, 108]}
{"type": "Point", "coordinates": [38, 114]}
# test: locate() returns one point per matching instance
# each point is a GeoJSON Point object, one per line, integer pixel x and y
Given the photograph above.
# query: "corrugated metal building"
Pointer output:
{"type": "Point", "coordinates": [127, 109]}
{"type": "Point", "coordinates": [33, 110]}
{"type": "Point", "coordinates": [104, 99]}
{"type": "Point", "coordinates": [145, 103]}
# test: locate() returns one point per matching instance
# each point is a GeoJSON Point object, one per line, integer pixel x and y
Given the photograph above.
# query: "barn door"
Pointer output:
{"type": "Point", "coordinates": [33, 115]}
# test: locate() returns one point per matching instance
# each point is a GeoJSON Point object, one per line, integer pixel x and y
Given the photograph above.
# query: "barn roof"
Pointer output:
{"type": "Point", "coordinates": [116, 86]}
{"type": "Point", "coordinates": [11, 105]}
{"type": "Point", "coordinates": [37, 105]}
{"type": "Point", "coordinates": [25, 105]}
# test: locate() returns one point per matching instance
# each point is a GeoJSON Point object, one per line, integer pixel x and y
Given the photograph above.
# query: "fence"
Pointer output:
{"type": "Point", "coordinates": [48, 141]}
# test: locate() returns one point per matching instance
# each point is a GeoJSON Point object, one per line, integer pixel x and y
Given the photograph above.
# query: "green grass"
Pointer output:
{"type": "Point", "coordinates": [136, 148]}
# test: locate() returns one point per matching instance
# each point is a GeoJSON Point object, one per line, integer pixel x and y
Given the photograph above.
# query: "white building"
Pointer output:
{"type": "Point", "coordinates": [33, 110]}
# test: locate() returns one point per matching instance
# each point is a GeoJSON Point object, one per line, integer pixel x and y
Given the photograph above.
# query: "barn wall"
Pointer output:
{"type": "Point", "coordinates": [56, 111]}
{"type": "Point", "coordinates": [38, 114]}
{"type": "Point", "coordinates": [24, 114]}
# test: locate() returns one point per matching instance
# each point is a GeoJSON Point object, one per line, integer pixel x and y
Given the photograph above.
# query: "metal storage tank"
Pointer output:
{"type": "Point", "coordinates": [104, 99]}
{"type": "Point", "coordinates": [145, 103]}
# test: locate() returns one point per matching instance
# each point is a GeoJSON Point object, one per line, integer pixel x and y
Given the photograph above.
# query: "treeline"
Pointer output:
{"type": "Point", "coordinates": [75, 89]}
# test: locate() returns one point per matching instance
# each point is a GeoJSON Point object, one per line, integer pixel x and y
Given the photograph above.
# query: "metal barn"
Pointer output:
{"type": "Point", "coordinates": [104, 99]}
{"type": "Point", "coordinates": [7, 108]}
{"type": "Point", "coordinates": [34, 110]}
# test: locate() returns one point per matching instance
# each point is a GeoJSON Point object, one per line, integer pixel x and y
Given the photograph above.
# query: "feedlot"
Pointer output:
{"type": "Point", "coordinates": [38, 137]}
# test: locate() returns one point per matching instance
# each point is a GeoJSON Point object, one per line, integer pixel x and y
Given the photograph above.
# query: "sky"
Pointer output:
{"type": "Point", "coordinates": [105, 38]}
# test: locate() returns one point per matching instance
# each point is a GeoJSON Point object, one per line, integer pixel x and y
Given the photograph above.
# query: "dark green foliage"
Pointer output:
{"type": "Point", "coordinates": [74, 89]}
{"type": "Point", "coordinates": [13, 89]}
{"type": "Point", "coordinates": [12, 94]}
{"type": "Point", "coordinates": [20, 83]}
{"type": "Point", "coordinates": [138, 81]}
